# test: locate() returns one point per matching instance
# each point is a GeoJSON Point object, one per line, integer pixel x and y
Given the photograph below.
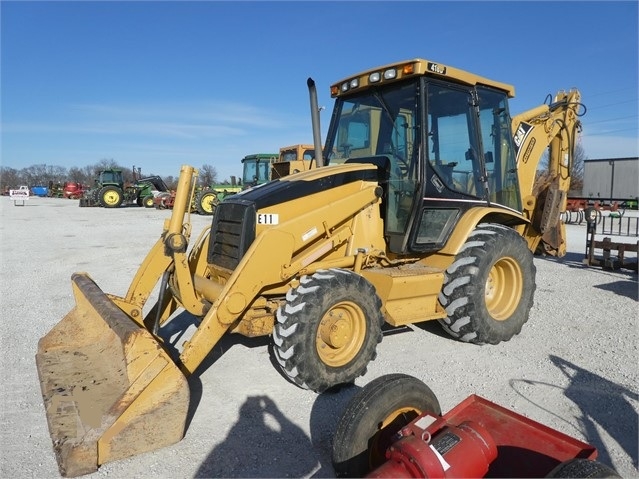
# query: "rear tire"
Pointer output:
{"type": "Point", "coordinates": [328, 330]}
{"type": "Point", "coordinates": [205, 202]}
{"type": "Point", "coordinates": [373, 416]}
{"type": "Point", "coordinates": [583, 468]}
{"type": "Point", "coordinates": [111, 197]}
{"type": "Point", "coordinates": [488, 290]}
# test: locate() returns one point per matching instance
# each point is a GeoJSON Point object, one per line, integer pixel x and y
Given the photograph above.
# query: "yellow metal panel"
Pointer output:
{"type": "Point", "coordinates": [408, 292]}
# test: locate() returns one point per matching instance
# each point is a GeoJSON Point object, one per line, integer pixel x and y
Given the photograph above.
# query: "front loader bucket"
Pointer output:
{"type": "Point", "coordinates": [110, 390]}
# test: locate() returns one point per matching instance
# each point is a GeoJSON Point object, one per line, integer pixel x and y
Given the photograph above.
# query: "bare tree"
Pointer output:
{"type": "Point", "coordinates": [171, 182]}
{"type": "Point", "coordinates": [208, 175]}
{"type": "Point", "coordinates": [79, 175]}
{"type": "Point", "coordinates": [577, 173]}
{"type": "Point", "coordinates": [56, 174]}
{"type": "Point", "coordinates": [10, 178]}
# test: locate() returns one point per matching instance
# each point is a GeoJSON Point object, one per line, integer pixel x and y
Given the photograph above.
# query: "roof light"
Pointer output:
{"type": "Point", "coordinates": [374, 77]}
{"type": "Point", "coordinates": [390, 74]}
{"type": "Point", "coordinates": [408, 69]}
{"type": "Point", "coordinates": [344, 86]}
{"type": "Point", "coordinates": [354, 82]}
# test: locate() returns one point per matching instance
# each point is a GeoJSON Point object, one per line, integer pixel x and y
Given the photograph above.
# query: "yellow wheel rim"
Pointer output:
{"type": "Point", "coordinates": [341, 334]}
{"type": "Point", "coordinates": [208, 203]}
{"type": "Point", "coordinates": [382, 439]}
{"type": "Point", "coordinates": [504, 288]}
{"type": "Point", "coordinates": [111, 198]}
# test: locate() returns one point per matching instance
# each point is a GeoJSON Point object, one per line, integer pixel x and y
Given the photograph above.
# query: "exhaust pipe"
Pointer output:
{"type": "Point", "coordinates": [315, 121]}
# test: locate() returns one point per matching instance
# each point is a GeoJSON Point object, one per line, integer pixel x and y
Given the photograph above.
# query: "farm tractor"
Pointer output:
{"type": "Point", "coordinates": [261, 168]}
{"type": "Point", "coordinates": [207, 199]}
{"type": "Point", "coordinates": [110, 190]}
{"type": "Point", "coordinates": [204, 201]}
{"type": "Point", "coordinates": [423, 206]}
{"type": "Point", "coordinates": [256, 169]}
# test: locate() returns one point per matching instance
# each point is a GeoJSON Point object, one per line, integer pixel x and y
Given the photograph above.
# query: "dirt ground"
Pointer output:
{"type": "Point", "coordinates": [574, 367]}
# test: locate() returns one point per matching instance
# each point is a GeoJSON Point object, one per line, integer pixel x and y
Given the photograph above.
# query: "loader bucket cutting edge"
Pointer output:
{"type": "Point", "coordinates": [110, 390]}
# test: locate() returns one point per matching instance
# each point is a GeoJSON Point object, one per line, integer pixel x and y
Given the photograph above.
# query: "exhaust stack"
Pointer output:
{"type": "Point", "coordinates": [315, 121]}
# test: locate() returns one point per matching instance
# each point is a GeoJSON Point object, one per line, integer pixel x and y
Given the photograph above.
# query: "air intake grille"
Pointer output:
{"type": "Point", "coordinates": [232, 233]}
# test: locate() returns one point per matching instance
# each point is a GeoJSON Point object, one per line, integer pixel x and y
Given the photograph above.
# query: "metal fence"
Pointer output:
{"type": "Point", "coordinates": [610, 252]}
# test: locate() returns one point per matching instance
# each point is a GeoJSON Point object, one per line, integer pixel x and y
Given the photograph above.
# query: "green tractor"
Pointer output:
{"type": "Point", "coordinates": [110, 191]}
{"type": "Point", "coordinates": [207, 198]}
{"type": "Point", "coordinates": [256, 168]}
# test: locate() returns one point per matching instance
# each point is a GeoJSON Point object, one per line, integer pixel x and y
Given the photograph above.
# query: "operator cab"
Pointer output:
{"type": "Point", "coordinates": [443, 144]}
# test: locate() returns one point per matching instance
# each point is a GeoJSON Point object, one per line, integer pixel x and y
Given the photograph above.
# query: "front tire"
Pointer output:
{"type": "Point", "coordinates": [373, 417]}
{"type": "Point", "coordinates": [328, 330]}
{"type": "Point", "coordinates": [488, 290]}
{"type": "Point", "coordinates": [147, 201]}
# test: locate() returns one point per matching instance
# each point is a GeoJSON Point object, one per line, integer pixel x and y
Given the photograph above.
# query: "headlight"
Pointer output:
{"type": "Point", "coordinates": [390, 74]}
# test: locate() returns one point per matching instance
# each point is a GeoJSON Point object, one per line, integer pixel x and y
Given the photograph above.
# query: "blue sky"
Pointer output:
{"type": "Point", "coordinates": [161, 84]}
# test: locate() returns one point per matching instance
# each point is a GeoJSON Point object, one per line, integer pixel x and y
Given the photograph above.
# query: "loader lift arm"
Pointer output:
{"type": "Point", "coordinates": [553, 127]}
{"type": "Point", "coordinates": [221, 305]}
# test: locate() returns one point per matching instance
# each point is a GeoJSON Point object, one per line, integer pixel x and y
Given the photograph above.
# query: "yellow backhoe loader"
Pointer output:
{"type": "Point", "coordinates": [293, 159]}
{"type": "Point", "coordinates": [423, 206]}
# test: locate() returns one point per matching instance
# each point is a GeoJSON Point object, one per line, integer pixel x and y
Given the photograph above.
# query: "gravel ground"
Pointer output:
{"type": "Point", "coordinates": [574, 367]}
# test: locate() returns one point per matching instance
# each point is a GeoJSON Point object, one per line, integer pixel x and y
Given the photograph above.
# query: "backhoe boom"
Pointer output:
{"type": "Point", "coordinates": [552, 128]}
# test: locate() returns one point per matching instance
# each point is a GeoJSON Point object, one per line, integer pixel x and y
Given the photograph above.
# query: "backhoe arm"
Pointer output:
{"type": "Point", "coordinates": [554, 128]}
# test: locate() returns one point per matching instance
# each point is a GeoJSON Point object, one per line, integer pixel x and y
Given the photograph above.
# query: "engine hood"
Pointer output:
{"type": "Point", "coordinates": [305, 183]}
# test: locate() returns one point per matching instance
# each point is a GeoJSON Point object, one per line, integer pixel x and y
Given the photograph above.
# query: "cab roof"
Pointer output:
{"type": "Point", "coordinates": [414, 67]}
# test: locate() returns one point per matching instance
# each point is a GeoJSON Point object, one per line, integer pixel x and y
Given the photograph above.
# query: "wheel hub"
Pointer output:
{"type": "Point", "coordinates": [336, 331]}
{"type": "Point", "coordinates": [111, 198]}
{"type": "Point", "coordinates": [504, 288]}
{"type": "Point", "coordinates": [341, 334]}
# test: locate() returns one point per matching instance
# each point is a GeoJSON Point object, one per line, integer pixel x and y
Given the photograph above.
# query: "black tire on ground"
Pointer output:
{"type": "Point", "coordinates": [147, 201]}
{"type": "Point", "coordinates": [583, 468]}
{"type": "Point", "coordinates": [111, 197]}
{"type": "Point", "coordinates": [206, 202]}
{"type": "Point", "coordinates": [327, 331]}
{"type": "Point", "coordinates": [488, 290]}
{"type": "Point", "coordinates": [373, 416]}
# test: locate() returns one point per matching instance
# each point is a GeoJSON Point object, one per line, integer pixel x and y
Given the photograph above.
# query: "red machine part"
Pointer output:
{"type": "Point", "coordinates": [73, 190]}
{"type": "Point", "coordinates": [164, 201]}
{"type": "Point", "coordinates": [478, 438]}
{"type": "Point", "coordinates": [393, 427]}
{"type": "Point", "coordinates": [430, 447]}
